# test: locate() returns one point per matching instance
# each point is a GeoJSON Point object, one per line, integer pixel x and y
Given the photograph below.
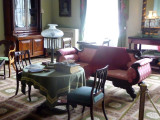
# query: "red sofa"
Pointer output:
{"type": "Point", "coordinates": [124, 71]}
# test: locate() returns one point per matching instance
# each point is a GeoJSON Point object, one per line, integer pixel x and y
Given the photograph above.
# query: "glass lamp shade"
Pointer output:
{"type": "Point", "coordinates": [52, 31]}
{"type": "Point", "coordinates": [152, 15]}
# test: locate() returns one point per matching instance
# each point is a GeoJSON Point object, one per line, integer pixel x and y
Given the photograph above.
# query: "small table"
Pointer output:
{"type": "Point", "coordinates": [155, 40]}
{"type": "Point", "coordinates": [53, 84]}
{"type": "Point", "coordinates": [2, 64]}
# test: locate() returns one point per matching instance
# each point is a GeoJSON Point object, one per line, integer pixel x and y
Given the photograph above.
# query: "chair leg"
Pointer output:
{"type": "Point", "coordinates": [9, 67]}
{"type": "Point", "coordinates": [14, 66]}
{"type": "Point", "coordinates": [91, 113]}
{"type": "Point", "coordinates": [83, 109]}
{"type": "Point", "coordinates": [103, 108]}
{"type": "Point", "coordinates": [67, 106]}
{"type": "Point", "coordinates": [17, 87]}
{"type": "Point", "coordinates": [29, 92]}
{"type": "Point", "coordinates": [4, 71]}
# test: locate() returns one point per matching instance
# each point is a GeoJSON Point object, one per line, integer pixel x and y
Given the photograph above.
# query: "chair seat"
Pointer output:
{"type": "Point", "coordinates": [5, 58]}
{"type": "Point", "coordinates": [82, 95]}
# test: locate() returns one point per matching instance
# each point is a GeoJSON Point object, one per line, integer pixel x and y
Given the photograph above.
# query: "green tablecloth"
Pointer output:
{"type": "Point", "coordinates": [52, 83]}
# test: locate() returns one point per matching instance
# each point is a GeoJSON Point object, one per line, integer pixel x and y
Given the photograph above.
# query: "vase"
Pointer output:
{"type": "Point", "coordinates": [52, 32]}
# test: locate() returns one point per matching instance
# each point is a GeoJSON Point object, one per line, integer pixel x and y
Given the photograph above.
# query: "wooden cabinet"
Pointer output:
{"type": "Point", "coordinates": [23, 25]}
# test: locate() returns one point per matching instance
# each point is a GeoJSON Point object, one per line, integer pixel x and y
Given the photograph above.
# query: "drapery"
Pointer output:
{"type": "Point", "coordinates": [123, 16]}
{"type": "Point", "coordinates": [83, 8]}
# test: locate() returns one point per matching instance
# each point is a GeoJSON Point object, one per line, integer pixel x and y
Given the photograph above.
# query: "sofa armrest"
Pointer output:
{"type": "Point", "coordinates": [139, 71]}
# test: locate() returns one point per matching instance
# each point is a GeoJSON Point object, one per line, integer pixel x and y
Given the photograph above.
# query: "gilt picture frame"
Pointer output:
{"type": "Point", "coordinates": [65, 8]}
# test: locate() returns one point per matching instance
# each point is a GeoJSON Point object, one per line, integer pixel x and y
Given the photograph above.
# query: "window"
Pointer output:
{"type": "Point", "coordinates": [101, 21]}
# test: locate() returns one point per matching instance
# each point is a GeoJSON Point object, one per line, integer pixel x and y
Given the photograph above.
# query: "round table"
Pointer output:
{"type": "Point", "coordinates": [52, 83]}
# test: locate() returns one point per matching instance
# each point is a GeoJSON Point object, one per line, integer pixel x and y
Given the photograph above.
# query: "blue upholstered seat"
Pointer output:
{"type": "Point", "coordinates": [82, 95]}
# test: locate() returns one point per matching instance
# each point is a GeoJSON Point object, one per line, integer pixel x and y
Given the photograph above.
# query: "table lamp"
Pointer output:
{"type": "Point", "coordinates": [151, 16]}
{"type": "Point", "coordinates": [52, 33]}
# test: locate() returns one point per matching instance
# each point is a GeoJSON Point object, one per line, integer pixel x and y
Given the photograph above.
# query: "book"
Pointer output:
{"type": "Point", "coordinates": [67, 68]}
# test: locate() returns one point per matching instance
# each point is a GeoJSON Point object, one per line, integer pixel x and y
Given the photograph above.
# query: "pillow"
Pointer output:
{"type": "Point", "coordinates": [69, 57]}
{"type": "Point", "coordinates": [68, 51]}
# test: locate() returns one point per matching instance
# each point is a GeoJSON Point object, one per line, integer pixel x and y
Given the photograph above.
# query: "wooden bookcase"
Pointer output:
{"type": "Point", "coordinates": [22, 22]}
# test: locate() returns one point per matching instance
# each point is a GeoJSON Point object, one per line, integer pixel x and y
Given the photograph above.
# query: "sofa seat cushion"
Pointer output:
{"type": "Point", "coordinates": [119, 74]}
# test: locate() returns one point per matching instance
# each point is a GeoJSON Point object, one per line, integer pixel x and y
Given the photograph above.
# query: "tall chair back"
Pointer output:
{"type": "Point", "coordinates": [22, 59]}
{"type": "Point", "coordinates": [89, 96]}
{"type": "Point", "coordinates": [99, 82]}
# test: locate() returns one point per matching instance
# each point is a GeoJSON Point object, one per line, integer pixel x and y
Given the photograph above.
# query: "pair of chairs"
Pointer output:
{"type": "Point", "coordinates": [90, 96]}
{"type": "Point", "coordinates": [85, 96]}
{"type": "Point", "coordinates": [22, 59]}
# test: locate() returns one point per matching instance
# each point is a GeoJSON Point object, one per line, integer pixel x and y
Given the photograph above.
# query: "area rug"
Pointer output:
{"type": "Point", "coordinates": [117, 101]}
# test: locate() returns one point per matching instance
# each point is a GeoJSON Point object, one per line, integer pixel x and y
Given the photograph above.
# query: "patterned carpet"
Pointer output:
{"type": "Point", "coordinates": [117, 101]}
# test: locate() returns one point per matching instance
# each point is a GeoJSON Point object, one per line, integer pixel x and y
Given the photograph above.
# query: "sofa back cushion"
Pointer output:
{"type": "Point", "coordinates": [87, 55]}
{"type": "Point", "coordinates": [115, 57]}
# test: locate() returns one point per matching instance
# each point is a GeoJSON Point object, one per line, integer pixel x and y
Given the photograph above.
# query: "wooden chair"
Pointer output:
{"type": "Point", "coordinates": [89, 96]}
{"type": "Point", "coordinates": [9, 53]}
{"type": "Point", "coordinates": [22, 59]}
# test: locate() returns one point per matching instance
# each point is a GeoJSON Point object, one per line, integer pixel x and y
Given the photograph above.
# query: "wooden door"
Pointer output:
{"type": "Point", "coordinates": [25, 45]}
{"type": "Point", "coordinates": [38, 47]}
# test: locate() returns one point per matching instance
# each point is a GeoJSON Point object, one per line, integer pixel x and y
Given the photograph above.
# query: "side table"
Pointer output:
{"type": "Point", "coordinates": [2, 65]}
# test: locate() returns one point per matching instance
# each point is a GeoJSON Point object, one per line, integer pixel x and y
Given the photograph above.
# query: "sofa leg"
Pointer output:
{"type": "Point", "coordinates": [131, 92]}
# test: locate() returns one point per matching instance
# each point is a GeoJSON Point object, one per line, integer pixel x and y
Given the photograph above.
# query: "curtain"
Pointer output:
{"type": "Point", "coordinates": [123, 16]}
{"type": "Point", "coordinates": [83, 8]}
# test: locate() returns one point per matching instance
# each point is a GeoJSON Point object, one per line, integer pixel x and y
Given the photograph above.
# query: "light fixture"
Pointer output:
{"type": "Point", "coordinates": [151, 16]}
{"type": "Point", "coordinates": [52, 33]}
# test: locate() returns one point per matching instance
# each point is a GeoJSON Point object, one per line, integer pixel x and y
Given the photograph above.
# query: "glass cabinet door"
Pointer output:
{"type": "Point", "coordinates": [20, 13]}
{"type": "Point", "coordinates": [32, 13]}
{"type": "Point", "coordinates": [25, 12]}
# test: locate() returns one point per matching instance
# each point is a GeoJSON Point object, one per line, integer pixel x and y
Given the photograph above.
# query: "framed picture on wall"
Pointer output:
{"type": "Point", "coordinates": [65, 8]}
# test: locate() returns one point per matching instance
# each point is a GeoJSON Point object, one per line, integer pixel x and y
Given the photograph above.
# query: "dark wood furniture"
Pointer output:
{"type": "Point", "coordinates": [23, 25]}
{"type": "Point", "coordinates": [139, 40]}
{"type": "Point", "coordinates": [2, 65]}
{"type": "Point", "coordinates": [22, 59]}
{"type": "Point", "coordinates": [90, 96]}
